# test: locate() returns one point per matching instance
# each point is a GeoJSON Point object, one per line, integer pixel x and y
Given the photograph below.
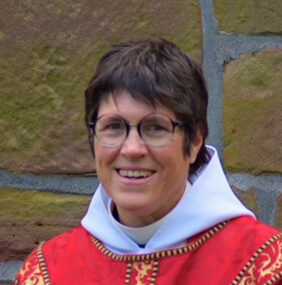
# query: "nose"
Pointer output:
{"type": "Point", "coordinates": [133, 146]}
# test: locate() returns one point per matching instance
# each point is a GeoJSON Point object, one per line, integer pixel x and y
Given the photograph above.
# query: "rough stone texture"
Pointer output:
{"type": "Point", "coordinates": [252, 113]}
{"type": "Point", "coordinates": [278, 220]}
{"type": "Point", "coordinates": [249, 200]}
{"type": "Point", "coordinates": [27, 218]}
{"type": "Point", "coordinates": [249, 16]}
{"type": "Point", "coordinates": [62, 184]}
{"type": "Point", "coordinates": [7, 270]}
{"type": "Point", "coordinates": [267, 188]}
{"type": "Point", "coordinates": [48, 54]}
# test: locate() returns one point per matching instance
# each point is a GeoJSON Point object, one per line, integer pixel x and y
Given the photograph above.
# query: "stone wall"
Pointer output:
{"type": "Point", "coordinates": [48, 53]}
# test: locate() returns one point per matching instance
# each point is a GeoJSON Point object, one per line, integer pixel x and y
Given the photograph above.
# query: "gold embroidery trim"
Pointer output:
{"type": "Point", "coordinates": [128, 273]}
{"type": "Point", "coordinates": [241, 274]}
{"type": "Point", "coordinates": [30, 273]}
{"type": "Point", "coordinates": [275, 278]}
{"type": "Point", "coordinates": [43, 265]}
{"type": "Point", "coordinates": [161, 254]}
{"type": "Point", "coordinates": [155, 272]}
{"type": "Point", "coordinates": [142, 272]}
{"type": "Point", "coordinates": [34, 270]}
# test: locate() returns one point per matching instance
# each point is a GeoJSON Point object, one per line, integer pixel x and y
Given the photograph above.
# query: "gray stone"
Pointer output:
{"type": "Point", "coordinates": [8, 270]}
{"type": "Point", "coordinates": [62, 184]}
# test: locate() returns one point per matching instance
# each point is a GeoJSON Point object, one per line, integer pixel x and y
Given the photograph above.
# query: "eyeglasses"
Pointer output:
{"type": "Point", "coordinates": [155, 129]}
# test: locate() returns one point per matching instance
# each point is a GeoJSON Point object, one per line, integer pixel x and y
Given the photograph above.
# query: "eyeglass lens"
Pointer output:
{"type": "Point", "coordinates": [155, 129]}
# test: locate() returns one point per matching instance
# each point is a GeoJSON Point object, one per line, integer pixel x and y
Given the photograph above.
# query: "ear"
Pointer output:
{"type": "Point", "coordinates": [196, 144]}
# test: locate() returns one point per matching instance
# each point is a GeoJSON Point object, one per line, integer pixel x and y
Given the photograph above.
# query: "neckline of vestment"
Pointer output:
{"type": "Point", "coordinates": [189, 247]}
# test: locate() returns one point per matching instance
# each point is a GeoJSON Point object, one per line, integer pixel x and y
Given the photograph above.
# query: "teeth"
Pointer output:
{"type": "Point", "coordinates": [135, 173]}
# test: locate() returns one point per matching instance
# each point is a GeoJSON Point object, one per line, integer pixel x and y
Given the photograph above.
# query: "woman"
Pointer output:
{"type": "Point", "coordinates": [146, 113]}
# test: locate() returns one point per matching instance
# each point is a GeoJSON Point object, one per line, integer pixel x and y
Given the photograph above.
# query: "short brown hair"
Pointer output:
{"type": "Point", "coordinates": [154, 72]}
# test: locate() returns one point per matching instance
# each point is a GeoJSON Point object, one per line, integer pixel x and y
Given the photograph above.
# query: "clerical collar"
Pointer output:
{"type": "Point", "coordinates": [141, 235]}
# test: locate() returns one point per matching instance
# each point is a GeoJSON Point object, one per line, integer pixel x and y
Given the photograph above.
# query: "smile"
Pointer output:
{"type": "Point", "coordinates": [135, 173]}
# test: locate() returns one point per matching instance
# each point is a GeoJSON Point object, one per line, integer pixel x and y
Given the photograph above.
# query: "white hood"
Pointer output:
{"type": "Point", "coordinates": [207, 202]}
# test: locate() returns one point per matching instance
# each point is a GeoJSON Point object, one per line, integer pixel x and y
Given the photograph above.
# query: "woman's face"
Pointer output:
{"type": "Point", "coordinates": [163, 170]}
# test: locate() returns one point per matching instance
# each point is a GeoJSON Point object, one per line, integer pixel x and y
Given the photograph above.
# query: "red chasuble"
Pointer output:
{"type": "Point", "coordinates": [240, 251]}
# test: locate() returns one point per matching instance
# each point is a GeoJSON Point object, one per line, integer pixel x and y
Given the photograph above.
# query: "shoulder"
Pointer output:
{"type": "Point", "coordinates": [61, 249]}
{"type": "Point", "coordinates": [244, 250]}
{"type": "Point", "coordinates": [34, 268]}
{"type": "Point", "coordinates": [248, 228]}
{"type": "Point", "coordinates": [242, 235]}
{"type": "Point", "coordinates": [67, 240]}
{"type": "Point", "coordinates": [261, 247]}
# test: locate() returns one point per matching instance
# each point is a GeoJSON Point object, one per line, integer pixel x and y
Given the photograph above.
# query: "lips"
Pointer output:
{"type": "Point", "coordinates": [130, 173]}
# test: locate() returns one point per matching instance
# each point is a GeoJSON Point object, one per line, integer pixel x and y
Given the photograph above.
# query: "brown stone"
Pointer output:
{"type": "Point", "coordinates": [249, 17]}
{"type": "Point", "coordinates": [28, 218]}
{"type": "Point", "coordinates": [48, 54]}
{"type": "Point", "coordinates": [249, 200]}
{"type": "Point", "coordinates": [252, 113]}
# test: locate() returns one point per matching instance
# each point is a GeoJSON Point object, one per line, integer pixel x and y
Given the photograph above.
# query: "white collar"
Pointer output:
{"type": "Point", "coordinates": [208, 202]}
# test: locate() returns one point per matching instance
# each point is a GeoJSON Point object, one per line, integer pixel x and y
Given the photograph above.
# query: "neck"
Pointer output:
{"type": "Point", "coordinates": [132, 218]}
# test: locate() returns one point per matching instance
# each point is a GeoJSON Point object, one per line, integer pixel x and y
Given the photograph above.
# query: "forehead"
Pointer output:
{"type": "Point", "coordinates": [124, 104]}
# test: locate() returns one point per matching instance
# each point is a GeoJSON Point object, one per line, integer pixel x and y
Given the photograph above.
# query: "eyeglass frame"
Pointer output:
{"type": "Point", "coordinates": [92, 126]}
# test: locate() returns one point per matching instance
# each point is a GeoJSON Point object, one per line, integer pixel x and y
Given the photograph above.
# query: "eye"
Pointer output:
{"type": "Point", "coordinates": [154, 128]}
{"type": "Point", "coordinates": [110, 125]}
{"type": "Point", "coordinates": [114, 126]}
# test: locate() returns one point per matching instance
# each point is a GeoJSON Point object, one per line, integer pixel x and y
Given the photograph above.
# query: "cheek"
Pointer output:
{"type": "Point", "coordinates": [171, 160]}
{"type": "Point", "coordinates": [173, 153]}
{"type": "Point", "coordinates": [104, 157]}
{"type": "Point", "coordinates": [175, 163]}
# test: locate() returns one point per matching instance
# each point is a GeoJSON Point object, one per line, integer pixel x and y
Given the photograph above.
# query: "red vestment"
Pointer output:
{"type": "Point", "coordinates": [239, 251]}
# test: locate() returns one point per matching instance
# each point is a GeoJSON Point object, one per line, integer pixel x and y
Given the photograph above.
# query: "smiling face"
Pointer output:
{"type": "Point", "coordinates": [144, 182]}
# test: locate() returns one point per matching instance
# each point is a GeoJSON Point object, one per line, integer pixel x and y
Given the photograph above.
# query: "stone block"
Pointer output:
{"type": "Point", "coordinates": [249, 200]}
{"type": "Point", "coordinates": [252, 113]}
{"type": "Point", "coordinates": [249, 17]}
{"type": "Point", "coordinates": [30, 217]}
{"type": "Point", "coordinates": [278, 218]}
{"type": "Point", "coordinates": [48, 54]}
